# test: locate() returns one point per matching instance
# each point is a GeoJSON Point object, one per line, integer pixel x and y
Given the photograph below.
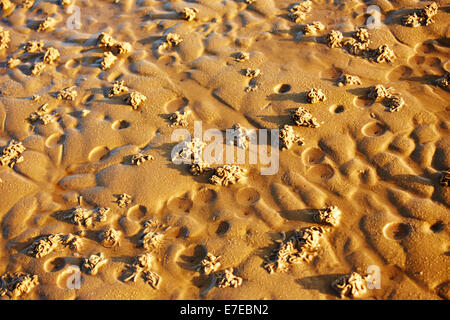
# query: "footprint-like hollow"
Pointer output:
{"type": "Point", "coordinates": [332, 73]}
{"type": "Point", "coordinates": [55, 140]}
{"type": "Point", "coordinates": [180, 205]}
{"type": "Point", "coordinates": [362, 102]}
{"type": "Point", "coordinates": [434, 62]}
{"type": "Point", "coordinates": [282, 88]}
{"type": "Point", "coordinates": [98, 153]}
{"type": "Point", "coordinates": [223, 228]}
{"type": "Point", "coordinates": [374, 129]}
{"type": "Point", "coordinates": [55, 264]}
{"type": "Point", "coordinates": [417, 60]}
{"type": "Point", "coordinates": [120, 124]}
{"type": "Point", "coordinates": [247, 196]}
{"type": "Point", "coordinates": [337, 109]}
{"type": "Point", "coordinates": [425, 48]}
{"type": "Point", "coordinates": [321, 172]}
{"type": "Point", "coordinates": [397, 231]}
{"type": "Point", "coordinates": [176, 105]}
{"type": "Point", "coordinates": [437, 227]}
{"type": "Point", "coordinates": [313, 156]}
{"type": "Point", "coordinates": [137, 212]}
{"type": "Point", "coordinates": [192, 255]}
{"type": "Point", "coordinates": [87, 99]}
{"type": "Point", "coordinates": [206, 195]}
{"type": "Point", "coordinates": [72, 63]}
{"type": "Point", "coordinates": [167, 60]}
{"type": "Point", "coordinates": [401, 72]}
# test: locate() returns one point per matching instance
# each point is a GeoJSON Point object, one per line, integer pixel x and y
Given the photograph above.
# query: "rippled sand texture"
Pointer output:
{"type": "Point", "coordinates": [381, 169]}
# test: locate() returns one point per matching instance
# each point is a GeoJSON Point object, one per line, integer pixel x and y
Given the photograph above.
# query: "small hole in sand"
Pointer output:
{"type": "Point", "coordinates": [119, 125]}
{"type": "Point", "coordinates": [321, 172]}
{"type": "Point", "coordinates": [184, 232]}
{"type": "Point", "coordinates": [282, 88]}
{"type": "Point", "coordinates": [176, 105]}
{"type": "Point", "coordinates": [434, 62]}
{"type": "Point", "coordinates": [55, 265]}
{"type": "Point", "coordinates": [426, 48]}
{"type": "Point", "coordinates": [400, 72]}
{"type": "Point", "coordinates": [167, 60]}
{"type": "Point", "coordinates": [397, 231]}
{"type": "Point", "coordinates": [193, 254]}
{"type": "Point", "coordinates": [72, 63]}
{"type": "Point", "coordinates": [437, 227]}
{"type": "Point", "coordinates": [185, 76]}
{"type": "Point", "coordinates": [180, 205]}
{"type": "Point", "coordinates": [374, 129]}
{"type": "Point", "coordinates": [206, 195]}
{"type": "Point", "coordinates": [88, 98]}
{"type": "Point", "coordinates": [313, 156]}
{"type": "Point", "coordinates": [247, 196]}
{"type": "Point", "coordinates": [137, 212]}
{"type": "Point", "coordinates": [362, 102]}
{"type": "Point", "coordinates": [331, 73]}
{"type": "Point", "coordinates": [223, 228]}
{"type": "Point", "coordinates": [55, 140]}
{"type": "Point", "coordinates": [417, 60]}
{"type": "Point", "coordinates": [337, 109]}
{"type": "Point", "coordinates": [98, 153]}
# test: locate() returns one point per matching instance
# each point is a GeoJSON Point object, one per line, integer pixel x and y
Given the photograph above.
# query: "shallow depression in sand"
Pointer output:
{"type": "Point", "coordinates": [418, 60]}
{"type": "Point", "coordinates": [313, 156]}
{"type": "Point", "coordinates": [206, 195]}
{"type": "Point", "coordinates": [54, 140]}
{"type": "Point", "coordinates": [180, 205]}
{"type": "Point", "coordinates": [55, 264]}
{"type": "Point", "coordinates": [137, 212]}
{"type": "Point", "coordinates": [282, 88]}
{"type": "Point", "coordinates": [120, 124]}
{"type": "Point", "coordinates": [193, 254]}
{"type": "Point", "coordinates": [362, 102]}
{"type": "Point", "coordinates": [434, 62]}
{"type": "Point", "coordinates": [331, 73]}
{"type": "Point", "coordinates": [424, 48]}
{"type": "Point", "coordinates": [98, 153]}
{"type": "Point", "coordinates": [437, 227]}
{"type": "Point", "coordinates": [321, 172]}
{"type": "Point", "coordinates": [397, 231]}
{"type": "Point", "coordinates": [87, 99]}
{"type": "Point", "coordinates": [374, 129]}
{"type": "Point", "coordinates": [72, 63]}
{"type": "Point", "coordinates": [401, 72]}
{"type": "Point", "coordinates": [247, 196]}
{"type": "Point", "coordinates": [223, 228]}
{"type": "Point", "coordinates": [167, 60]}
{"type": "Point", "coordinates": [176, 105]}
{"type": "Point", "coordinates": [337, 109]}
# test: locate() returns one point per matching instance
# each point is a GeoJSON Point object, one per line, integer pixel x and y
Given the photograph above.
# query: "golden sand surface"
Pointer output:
{"type": "Point", "coordinates": [93, 206]}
